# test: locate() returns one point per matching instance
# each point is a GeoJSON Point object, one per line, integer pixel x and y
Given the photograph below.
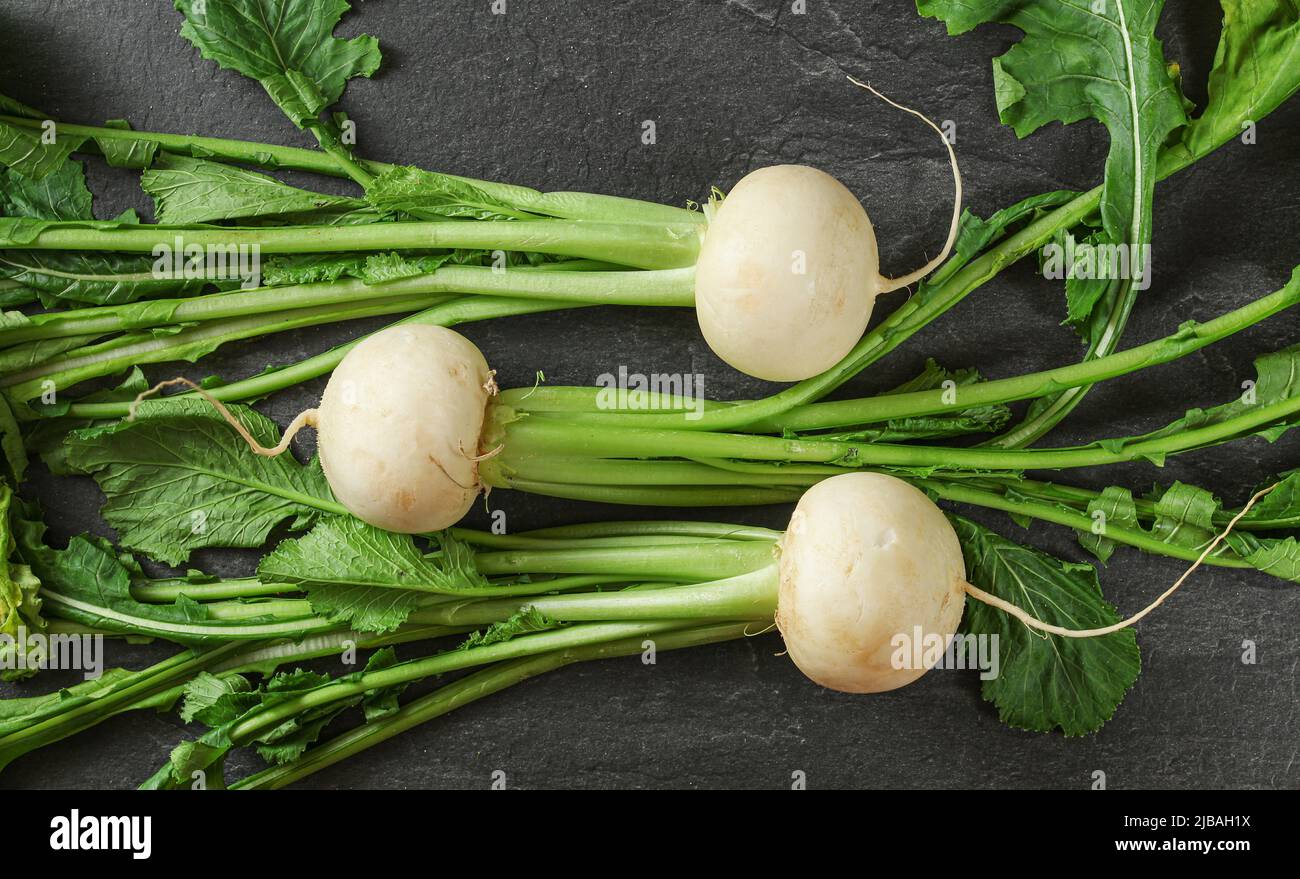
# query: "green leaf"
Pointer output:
{"type": "Point", "coordinates": [974, 234]}
{"type": "Point", "coordinates": [12, 107]}
{"type": "Point", "coordinates": [1081, 59]}
{"type": "Point", "coordinates": [60, 277]}
{"type": "Point", "coordinates": [1187, 516]}
{"type": "Point", "coordinates": [88, 583]}
{"type": "Point", "coordinates": [428, 195]}
{"type": "Point", "coordinates": [20, 603]}
{"type": "Point", "coordinates": [59, 195]}
{"type": "Point", "coordinates": [1280, 506]}
{"type": "Point", "coordinates": [523, 622]}
{"type": "Point", "coordinates": [382, 702]}
{"type": "Point", "coordinates": [45, 436]}
{"type": "Point", "coordinates": [381, 267]}
{"type": "Point", "coordinates": [1256, 68]}
{"type": "Point", "coordinates": [84, 277]}
{"type": "Point", "coordinates": [1046, 681]}
{"type": "Point", "coordinates": [188, 190]}
{"type": "Point", "coordinates": [373, 268]}
{"type": "Point", "coordinates": [121, 153]}
{"type": "Point", "coordinates": [223, 703]}
{"type": "Point", "coordinates": [311, 268]}
{"type": "Point", "coordinates": [1277, 379]}
{"type": "Point", "coordinates": [179, 478]}
{"type": "Point", "coordinates": [287, 45]}
{"type": "Point", "coordinates": [370, 579]}
{"type": "Point", "coordinates": [35, 153]}
{"type": "Point", "coordinates": [206, 702]}
{"type": "Point", "coordinates": [11, 444]}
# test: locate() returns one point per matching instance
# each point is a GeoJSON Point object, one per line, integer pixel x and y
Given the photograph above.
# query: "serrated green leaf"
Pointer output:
{"type": "Point", "coordinates": [523, 622]}
{"type": "Point", "coordinates": [1280, 506]}
{"type": "Point", "coordinates": [287, 45]}
{"type": "Point", "coordinates": [179, 478]}
{"type": "Point", "coordinates": [370, 579]}
{"type": "Point", "coordinates": [59, 195]}
{"type": "Point", "coordinates": [1046, 681]}
{"type": "Point", "coordinates": [1081, 59]}
{"type": "Point", "coordinates": [35, 153]}
{"type": "Point", "coordinates": [1277, 378]}
{"type": "Point", "coordinates": [425, 194]}
{"type": "Point", "coordinates": [383, 701]}
{"type": "Point", "coordinates": [88, 583]}
{"type": "Point", "coordinates": [1188, 517]}
{"type": "Point", "coordinates": [188, 190]}
{"type": "Point", "coordinates": [85, 277]}
{"type": "Point", "coordinates": [20, 602]}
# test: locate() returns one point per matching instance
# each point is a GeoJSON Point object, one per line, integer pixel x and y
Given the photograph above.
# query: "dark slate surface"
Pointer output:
{"type": "Point", "coordinates": [553, 95]}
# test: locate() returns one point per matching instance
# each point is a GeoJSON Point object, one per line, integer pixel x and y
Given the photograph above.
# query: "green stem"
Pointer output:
{"type": "Point", "coordinates": [1063, 403]}
{"type": "Point", "coordinates": [955, 491]}
{"type": "Point", "coordinates": [749, 596]}
{"type": "Point", "coordinates": [469, 689]}
{"type": "Point", "coordinates": [668, 287]}
{"type": "Point", "coordinates": [640, 245]}
{"type": "Point", "coordinates": [159, 678]}
{"type": "Point", "coordinates": [544, 437]}
{"type": "Point", "coordinates": [1190, 337]}
{"type": "Point", "coordinates": [581, 405]}
{"type": "Point", "coordinates": [160, 685]}
{"type": "Point", "coordinates": [447, 314]}
{"type": "Point", "coordinates": [268, 718]}
{"type": "Point", "coordinates": [129, 350]}
{"type": "Point", "coordinates": [594, 530]}
{"type": "Point", "coordinates": [1080, 498]}
{"type": "Point", "coordinates": [659, 495]}
{"type": "Point", "coordinates": [1038, 500]}
{"type": "Point", "coordinates": [712, 560]}
{"type": "Point", "coordinates": [564, 205]}
{"type": "Point", "coordinates": [227, 623]}
{"type": "Point", "coordinates": [169, 590]}
{"type": "Point", "coordinates": [348, 164]}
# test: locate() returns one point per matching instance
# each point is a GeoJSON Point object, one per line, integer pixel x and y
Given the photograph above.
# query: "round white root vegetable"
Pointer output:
{"type": "Point", "coordinates": [789, 271]}
{"type": "Point", "coordinates": [399, 424]}
{"type": "Point", "coordinates": [867, 557]}
{"type": "Point", "coordinates": [398, 427]}
{"type": "Point", "coordinates": [787, 274]}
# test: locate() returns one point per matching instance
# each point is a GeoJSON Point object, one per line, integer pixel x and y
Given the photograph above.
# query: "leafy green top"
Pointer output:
{"type": "Point", "coordinates": [177, 480]}
{"type": "Point", "coordinates": [287, 45]}
{"type": "Point", "coordinates": [1084, 59]}
{"type": "Point", "coordinates": [1046, 681]}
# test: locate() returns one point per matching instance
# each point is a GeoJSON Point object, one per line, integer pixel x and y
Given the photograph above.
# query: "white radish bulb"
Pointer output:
{"type": "Point", "coordinates": [789, 271]}
{"type": "Point", "coordinates": [787, 274]}
{"type": "Point", "coordinates": [399, 425]}
{"type": "Point", "coordinates": [867, 557]}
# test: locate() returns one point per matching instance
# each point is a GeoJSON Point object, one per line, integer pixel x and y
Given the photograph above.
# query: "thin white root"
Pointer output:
{"type": "Point", "coordinates": [305, 419]}
{"type": "Point", "coordinates": [486, 456]}
{"type": "Point", "coordinates": [891, 284]}
{"type": "Point", "coordinates": [993, 601]}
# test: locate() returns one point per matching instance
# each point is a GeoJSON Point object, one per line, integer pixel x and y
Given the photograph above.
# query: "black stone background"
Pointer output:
{"type": "Point", "coordinates": [553, 95]}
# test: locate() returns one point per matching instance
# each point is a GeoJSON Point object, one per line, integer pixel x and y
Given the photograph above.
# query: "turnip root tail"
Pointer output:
{"type": "Point", "coordinates": [993, 601]}
{"type": "Point", "coordinates": [888, 285]}
{"type": "Point", "coordinates": [304, 419]}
